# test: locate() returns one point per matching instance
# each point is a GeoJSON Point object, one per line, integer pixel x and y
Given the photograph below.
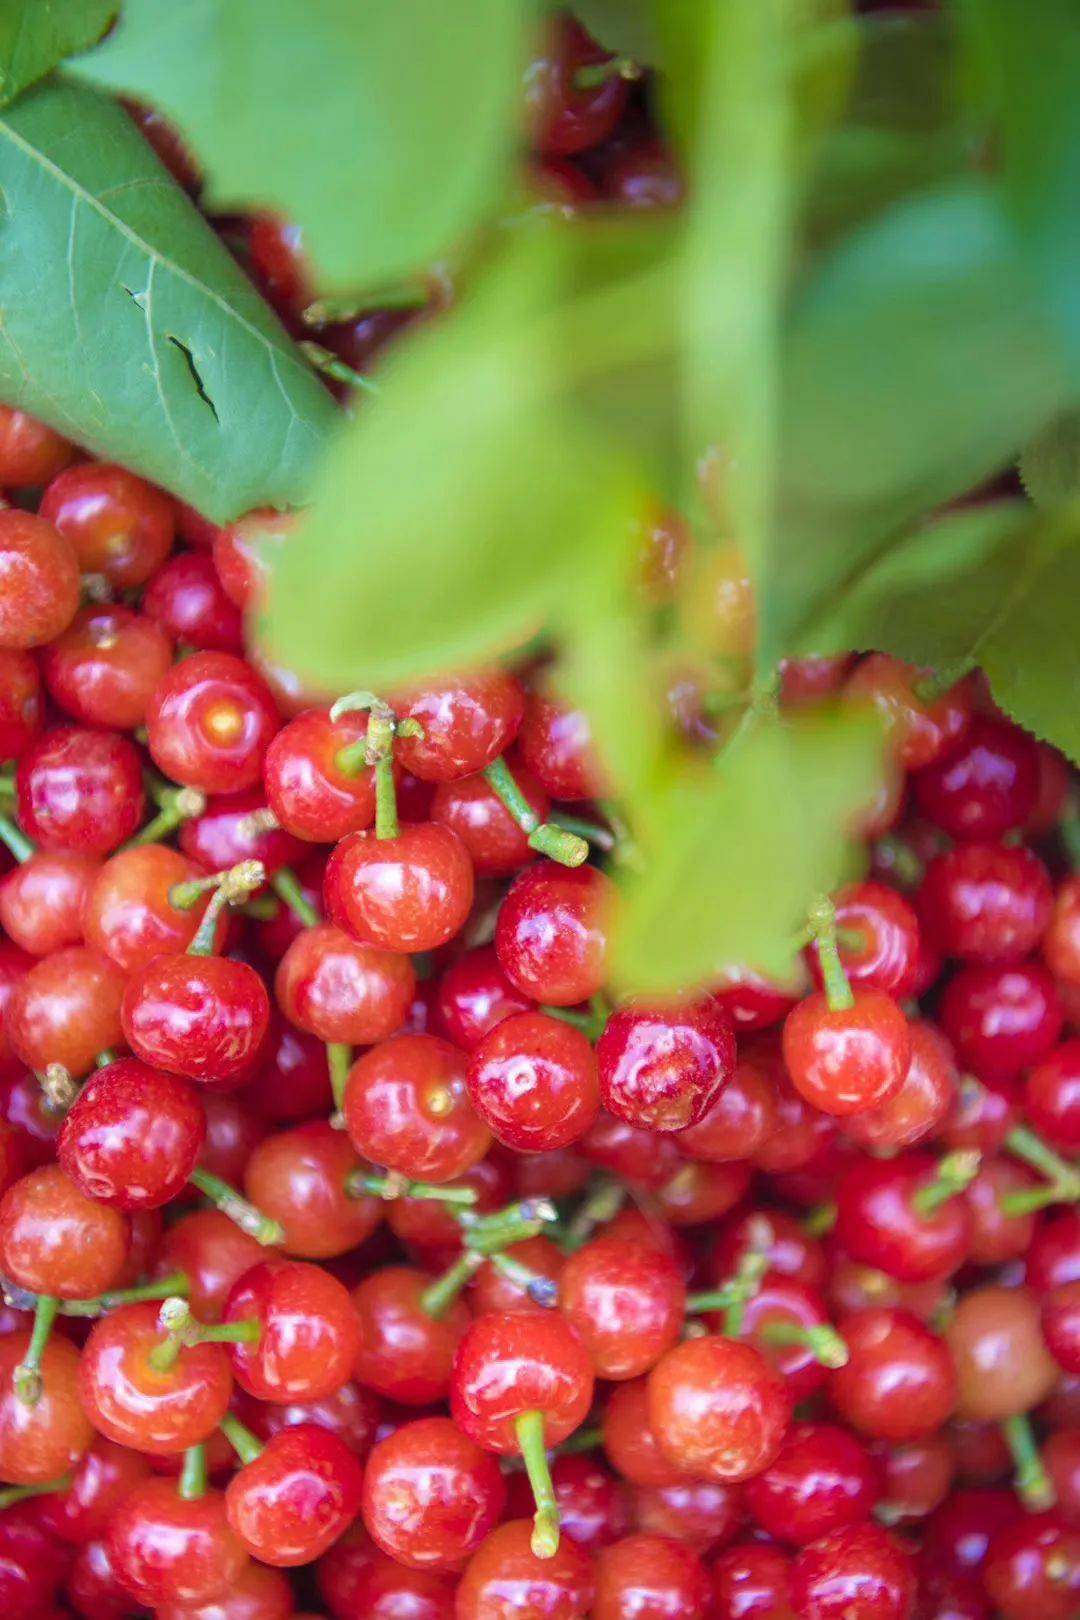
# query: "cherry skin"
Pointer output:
{"type": "Point", "coordinates": [310, 1332]}
{"type": "Point", "coordinates": [431, 1495]}
{"type": "Point", "coordinates": [1052, 1097]}
{"type": "Point", "coordinates": [563, 117]}
{"type": "Point", "coordinates": [352, 1413]}
{"type": "Point", "coordinates": [473, 995]}
{"type": "Point", "coordinates": [1061, 942]}
{"type": "Point", "coordinates": [230, 829]}
{"type": "Point", "coordinates": [100, 1480]}
{"type": "Point", "coordinates": [411, 893]}
{"type": "Point", "coordinates": [21, 706]}
{"type": "Point", "coordinates": [103, 670]}
{"type": "Point", "coordinates": [532, 1080]}
{"type": "Point", "coordinates": [858, 1570]}
{"type": "Point", "coordinates": [652, 1576]}
{"type": "Point", "coordinates": [1054, 1256]}
{"type": "Point", "coordinates": [783, 1302]}
{"type": "Point", "coordinates": [41, 901]}
{"type": "Point", "coordinates": [341, 990]}
{"type": "Point", "coordinates": [923, 1101]}
{"type": "Point", "coordinates": [698, 1194]}
{"type": "Point", "coordinates": [1002, 1364]}
{"type": "Point", "coordinates": [40, 574]}
{"type": "Point", "coordinates": [186, 599]}
{"type": "Point", "coordinates": [56, 1240]}
{"type": "Point", "coordinates": [627, 1303]}
{"type": "Point", "coordinates": [1002, 1019]}
{"type": "Point", "coordinates": [916, 1478]}
{"type": "Point", "coordinates": [997, 1236]}
{"type": "Point", "coordinates": [258, 1593]}
{"type": "Point", "coordinates": [43, 1442]}
{"type": "Point", "coordinates": [213, 1253]}
{"type": "Point", "coordinates": [920, 731]}
{"type": "Point", "coordinates": [472, 809]}
{"type": "Point", "coordinates": [752, 1582]}
{"type": "Point", "coordinates": [127, 914]}
{"type": "Point", "coordinates": [718, 1409]}
{"type": "Point", "coordinates": [738, 1121]}
{"type": "Point", "coordinates": [986, 785]}
{"type": "Point", "coordinates": [962, 1529]}
{"type": "Point", "coordinates": [751, 1001]}
{"type": "Point", "coordinates": [119, 525]}
{"type": "Point", "coordinates": [298, 1178]}
{"type": "Point", "coordinates": [32, 1563]}
{"type": "Point", "coordinates": [701, 1512]}
{"type": "Point", "coordinates": [202, 1017]}
{"type": "Point", "coordinates": [781, 1238]}
{"type": "Point", "coordinates": [1032, 1568]}
{"type": "Point", "coordinates": [845, 1060]}
{"type": "Point", "coordinates": [1061, 1325]}
{"type": "Point", "coordinates": [129, 1400]}
{"type": "Point", "coordinates": [899, 1383]}
{"type": "Point", "coordinates": [406, 1107]}
{"type": "Point", "coordinates": [210, 723]}
{"type": "Point", "coordinates": [465, 723]}
{"type": "Point", "coordinates": [504, 1576]}
{"type": "Point", "coordinates": [293, 1079]}
{"type": "Point", "coordinates": [594, 1507]}
{"type": "Point", "coordinates": [356, 1578]}
{"type": "Point", "coordinates": [313, 794]}
{"type": "Point", "coordinates": [986, 902]}
{"type": "Point", "coordinates": [92, 1587]}
{"type": "Point", "coordinates": [289, 1504]}
{"type": "Point", "coordinates": [880, 1222]}
{"type": "Point", "coordinates": [630, 1440]}
{"type": "Point", "coordinates": [30, 452]}
{"type": "Point", "coordinates": [406, 1352]}
{"type": "Point", "coordinates": [493, 1290]}
{"type": "Point", "coordinates": [165, 1548]}
{"type": "Point", "coordinates": [663, 1068]}
{"type": "Point", "coordinates": [556, 744]}
{"type": "Point", "coordinates": [640, 1157]}
{"type": "Point", "coordinates": [516, 1363]}
{"type": "Point", "coordinates": [550, 933]}
{"type": "Point", "coordinates": [133, 1136]}
{"type": "Point", "coordinates": [879, 939]}
{"type": "Point", "coordinates": [821, 1480]}
{"type": "Point", "coordinates": [80, 790]}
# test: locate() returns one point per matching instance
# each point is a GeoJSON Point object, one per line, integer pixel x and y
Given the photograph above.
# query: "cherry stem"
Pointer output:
{"type": "Point", "coordinates": [1025, 1144]}
{"type": "Point", "coordinates": [363, 1183]}
{"type": "Point", "coordinates": [820, 1220]}
{"type": "Point", "coordinates": [28, 1385]}
{"type": "Point", "coordinates": [286, 885]}
{"type": "Point", "coordinates": [23, 1493]}
{"type": "Point", "coordinates": [331, 365]}
{"type": "Point", "coordinates": [530, 1437]}
{"type": "Point", "coordinates": [489, 1234]}
{"type": "Point", "coordinates": [182, 1331]}
{"type": "Point", "coordinates": [955, 1172]}
{"type": "Point", "coordinates": [820, 1338]}
{"type": "Point", "coordinates": [1036, 1198]}
{"type": "Point", "coordinates": [246, 1445]}
{"type": "Point", "coordinates": [823, 927]}
{"type": "Point", "coordinates": [1033, 1484]}
{"type": "Point", "coordinates": [401, 295]}
{"type": "Point", "coordinates": [339, 1062]}
{"type": "Point", "coordinates": [593, 74]}
{"type": "Point", "coordinates": [236, 1208]}
{"type": "Point", "coordinates": [16, 840]}
{"type": "Point", "coordinates": [749, 1274]}
{"type": "Point", "coordinates": [541, 1290]}
{"type": "Point", "coordinates": [233, 888]}
{"type": "Point", "coordinates": [557, 843]}
{"type": "Point", "coordinates": [193, 1479]}
{"type": "Point", "coordinates": [602, 837]}
{"type": "Point", "coordinates": [59, 1088]}
{"type": "Point", "coordinates": [439, 1295]}
{"type": "Point", "coordinates": [171, 1287]}
{"type": "Point", "coordinates": [178, 805]}
{"type": "Point", "coordinates": [602, 1203]}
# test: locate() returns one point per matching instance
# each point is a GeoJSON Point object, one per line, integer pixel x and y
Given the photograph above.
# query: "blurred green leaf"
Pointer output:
{"type": "Point", "coordinates": [1050, 464]}
{"type": "Point", "coordinates": [382, 130]}
{"type": "Point", "coordinates": [627, 27]}
{"type": "Point", "coordinates": [127, 325]}
{"type": "Point", "coordinates": [740, 848]}
{"type": "Point", "coordinates": [36, 35]}
{"type": "Point", "coordinates": [995, 586]}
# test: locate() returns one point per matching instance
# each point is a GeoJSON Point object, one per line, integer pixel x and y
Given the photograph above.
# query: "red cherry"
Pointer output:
{"type": "Point", "coordinates": [41, 901]}
{"type": "Point", "coordinates": [40, 574]}
{"type": "Point", "coordinates": [739, 1120]}
{"type": "Point", "coordinates": [663, 1068]}
{"type": "Point", "coordinates": [985, 785]}
{"type": "Point", "coordinates": [631, 1442]}
{"type": "Point", "coordinates": [30, 452]}
{"type": "Point", "coordinates": [627, 1303]}
{"type": "Point", "coordinates": [119, 525]}
{"type": "Point", "coordinates": [299, 1178]}
{"type": "Point", "coordinates": [42, 1442]}
{"type": "Point", "coordinates": [899, 1382]}
{"type": "Point", "coordinates": [56, 1240]}
{"type": "Point", "coordinates": [851, 1058]}
{"type": "Point", "coordinates": [473, 995]}
{"type": "Point", "coordinates": [752, 1582]}
{"type": "Point", "coordinates": [291, 1502]}
{"type": "Point", "coordinates": [471, 808]}
{"type": "Point", "coordinates": [594, 1508]}
{"type": "Point", "coordinates": [718, 1408]}
{"type": "Point", "coordinates": [131, 1401]}
{"type": "Point", "coordinates": [465, 723]}
{"type": "Point", "coordinates": [654, 1577]}
{"type": "Point", "coordinates": [185, 597]}
{"type": "Point", "coordinates": [821, 1480]}
{"type": "Point", "coordinates": [104, 668]}
{"type": "Point", "coordinates": [167, 1548]}
{"type": "Point", "coordinates": [309, 1335]}
{"type": "Point", "coordinates": [341, 990]}
{"type": "Point", "coordinates": [229, 829]}
{"type": "Point", "coordinates": [317, 782]}
{"type": "Point", "coordinates": [565, 118]}
{"type": "Point", "coordinates": [923, 1101]}
{"type": "Point", "coordinates": [1052, 1097]}
{"type": "Point", "coordinates": [355, 1578]}
{"type": "Point", "coordinates": [431, 1495]}
{"type": "Point", "coordinates": [133, 1136]}
{"type": "Point", "coordinates": [506, 1576]}
{"type": "Point", "coordinates": [894, 1214]}
{"type": "Point", "coordinates": [127, 913]}
{"type": "Point", "coordinates": [21, 706]}
{"type": "Point", "coordinates": [203, 1017]}
{"type": "Point", "coordinates": [986, 902]}
{"type": "Point", "coordinates": [532, 1080]}
{"type": "Point", "coordinates": [921, 730]}
{"type": "Point", "coordinates": [406, 1348]}
{"type": "Point", "coordinates": [1002, 1019]}
{"type": "Point", "coordinates": [213, 1253]}
{"type": "Point", "coordinates": [751, 1001]}
{"type": "Point", "coordinates": [258, 1593]}
{"type": "Point", "coordinates": [411, 892]}
{"type": "Point", "coordinates": [100, 1480]}
{"type": "Point", "coordinates": [878, 939]}
{"type": "Point", "coordinates": [1032, 1569]}
{"type": "Point", "coordinates": [80, 790]}
{"type": "Point", "coordinates": [406, 1107]}
{"type": "Point", "coordinates": [210, 723]}
{"type": "Point", "coordinates": [859, 1570]}
{"type": "Point", "coordinates": [550, 934]}
{"type": "Point", "coordinates": [508, 1366]}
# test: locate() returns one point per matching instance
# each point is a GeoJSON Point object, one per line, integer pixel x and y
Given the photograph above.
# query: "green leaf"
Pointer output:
{"type": "Point", "coordinates": [741, 849]}
{"type": "Point", "coordinates": [36, 36]}
{"type": "Point", "coordinates": [383, 130]}
{"type": "Point", "coordinates": [1050, 464]}
{"type": "Point", "coordinates": [127, 325]}
{"type": "Point", "coordinates": [627, 27]}
{"type": "Point", "coordinates": [994, 586]}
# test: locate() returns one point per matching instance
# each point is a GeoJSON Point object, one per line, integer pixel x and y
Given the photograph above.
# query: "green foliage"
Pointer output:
{"type": "Point", "coordinates": [1050, 464]}
{"type": "Point", "coordinates": [382, 129]}
{"type": "Point", "coordinates": [155, 350]}
{"type": "Point", "coordinates": [36, 35]}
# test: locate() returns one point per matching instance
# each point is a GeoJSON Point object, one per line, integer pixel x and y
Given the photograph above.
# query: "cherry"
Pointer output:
{"type": "Point", "coordinates": [30, 452]}
{"type": "Point", "coordinates": [1061, 1457]}
{"type": "Point", "coordinates": [318, 782]}
{"type": "Point", "coordinates": [409, 1334]}
{"type": "Point", "coordinates": [663, 1068]}
{"type": "Point", "coordinates": [1054, 1256]}
{"type": "Point", "coordinates": [92, 1587]}
{"type": "Point", "coordinates": [532, 1080]}
{"type": "Point", "coordinates": [432, 1226]}
{"type": "Point", "coordinates": [295, 1495]}
{"type": "Point", "coordinates": [594, 1507]}
{"type": "Point", "coordinates": [564, 116]}
{"type": "Point", "coordinates": [1051, 1096]}
{"type": "Point", "coordinates": [431, 1495]}
{"type": "Point", "coordinates": [788, 1323]}
{"type": "Point", "coordinates": [341, 990]}
{"type": "Point", "coordinates": [80, 790]}
{"type": "Point", "coordinates": [236, 827]}
{"type": "Point", "coordinates": [210, 723]}
{"type": "Point", "coordinates": [119, 525]}
{"type": "Point", "coordinates": [698, 1193]}
{"type": "Point", "coordinates": [645, 176]}
{"type": "Point", "coordinates": [355, 1578]}
{"type": "Point", "coordinates": [701, 1512]}
{"type": "Point", "coordinates": [878, 939]}
{"type": "Point", "coordinates": [132, 1137]}
{"type": "Point", "coordinates": [127, 914]}
{"type": "Point", "coordinates": [556, 744]}
{"type": "Point", "coordinates": [352, 1413]}
{"type": "Point", "coordinates": [922, 1103]}
{"type": "Point", "coordinates": [1002, 1019]}
{"type": "Point", "coordinates": [258, 1593]}
{"type": "Point", "coordinates": [997, 1235]}
{"type": "Point", "coordinates": [406, 1107]}
{"type": "Point", "coordinates": [915, 1478]}
{"type": "Point", "coordinates": [922, 724]}
{"type": "Point", "coordinates": [40, 575]}
{"type": "Point", "coordinates": [522, 1277]}
{"type": "Point", "coordinates": [899, 1382]}
{"type": "Point", "coordinates": [986, 902]}
{"type": "Point", "coordinates": [167, 1547]}
{"type": "Point", "coordinates": [739, 1120]}
{"type": "Point", "coordinates": [751, 1001]}
{"type": "Point", "coordinates": [550, 933]}
{"type": "Point", "coordinates": [203, 1017]}
{"type": "Point", "coordinates": [497, 842]}
{"type": "Point", "coordinates": [300, 1179]}
{"type": "Point", "coordinates": [752, 1582]}
{"type": "Point", "coordinates": [627, 1303]}
{"type": "Point", "coordinates": [186, 599]}
{"type": "Point", "coordinates": [473, 995]}
{"type": "Point", "coordinates": [41, 901]}
{"type": "Point", "coordinates": [655, 1577]}
{"type": "Point", "coordinates": [504, 1576]}
{"type": "Point", "coordinates": [242, 549]}
{"type": "Point", "coordinates": [42, 1441]}
{"type": "Point", "coordinates": [462, 724]}
{"type": "Point", "coordinates": [985, 785]}
{"type": "Point", "coordinates": [143, 1392]}
{"type": "Point", "coordinates": [639, 1157]}
{"type": "Point", "coordinates": [788, 1249]}
{"type": "Point", "coordinates": [718, 1408]}
{"type": "Point", "coordinates": [309, 1331]}
{"type": "Point", "coordinates": [821, 1480]}
{"type": "Point", "coordinates": [1061, 1325]}
{"type": "Point", "coordinates": [907, 1216]}
{"type": "Point", "coordinates": [83, 1509]}
{"type": "Point", "coordinates": [1061, 942]}
{"type": "Point", "coordinates": [846, 1058]}
{"type": "Point", "coordinates": [410, 891]}
{"type": "Point", "coordinates": [631, 1442]}
{"type": "Point", "coordinates": [1002, 1364]}
{"type": "Point", "coordinates": [858, 1570]}
{"type": "Point", "coordinates": [55, 1240]}
{"type": "Point", "coordinates": [799, 1130]}
{"type": "Point", "coordinates": [105, 666]}
{"type": "Point", "coordinates": [1032, 1569]}
{"type": "Point", "coordinates": [21, 706]}
{"type": "Point", "coordinates": [212, 1252]}
{"type": "Point", "coordinates": [32, 1563]}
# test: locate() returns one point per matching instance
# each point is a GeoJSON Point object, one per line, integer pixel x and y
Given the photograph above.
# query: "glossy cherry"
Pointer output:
{"type": "Point", "coordinates": [985, 785]}
{"type": "Point", "coordinates": [30, 452]}
{"type": "Point", "coordinates": [505, 1576]}
{"type": "Point", "coordinates": [119, 525]}
{"type": "Point", "coordinates": [551, 932]}
{"type": "Point", "coordinates": [858, 1570]}
{"type": "Point", "coordinates": [80, 790]}
{"type": "Point", "coordinates": [41, 901]}
{"type": "Point", "coordinates": [627, 1303]}
{"type": "Point", "coordinates": [899, 1382]}
{"type": "Point", "coordinates": [902, 1216]}
{"type": "Point", "coordinates": [155, 1409]}
{"type": "Point", "coordinates": [464, 724]}
{"type": "Point", "coordinates": [127, 913]}
{"type": "Point", "coordinates": [42, 1442]}
{"type": "Point", "coordinates": [1002, 1019]}
{"type": "Point", "coordinates": [473, 995]}
{"type": "Point", "coordinates": [317, 782]}
{"type": "Point", "coordinates": [56, 1240]}
{"type": "Point", "coordinates": [663, 1068]}
{"type": "Point", "coordinates": [847, 1058]}
{"type": "Point", "coordinates": [821, 1480]}
{"type": "Point", "coordinates": [300, 1178]}
{"type": "Point", "coordinates": [406, 1107]}
{"type": "Point", "coordinates": [342, 990]}
{"type": "Point", "coordinates": [431, 1495]}
{"type": "Point", "coordinates": [410, 892]}
{"type": "Point", "coordinates": [309, 1337]}
{"type": "Point", "coordinates": [210, 723]}
{"type": "Point", "coordinates": [984, 902]}
{"type": "Point", "coordinates": [532, 1080]}
{"type": "Point", "coordinates": [407, 1343]}
{"type": "Point", "coordinates": [718, 1409]}
{"type": "Point", "coordinates": [185, 597]}
{"type": "Point", "coordinates": [40, 574]}
{"type": "Point", "coordinates": [290, 1502]}
{"type": "Point", "coordinates": [104, 668]}
{"type": "Point", "coordinates": [166, 1547]}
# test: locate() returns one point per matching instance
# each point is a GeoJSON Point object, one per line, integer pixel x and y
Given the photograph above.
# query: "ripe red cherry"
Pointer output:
{"type": "Point", "coordinates": [133, 1136]}
{"type": "Point", "coordinates": [859, 1570]}
{"type": "Point", "coordinates": [127, 913]}
{"type": "Point", "coordinates": [40, 575]}
{"type": "Point", "coordinates": [165, 1547]}
{"type": "Point", "coordinates": [1032, 1569]}
{"type": "Point", "coordinates": [493, 1289]}
{"type": "Point", "coordinates": [81, 1512]}
{"type": "Point", "coordinates": [510, 1365]}
{"type": "Point", "coordinates": [104, 668]}
{"type": "Point", "coordinates": [310, 1333]}
{"type": "Point", "coordinates": [290, 1503]}
{"type": "Point", "coordinates": [42, 1442]}
{"type": "Point", "coordinates": [563, 117]}
{"type": "Point", "coordinates": [780, 1305]}
{"type": "Point", "coordinates": [556, 744]}
{"type": "Point", "coordinates": [466, 722]}
{"type": "Point", "coordinates": [532, 1080]}
{"type": "Point", "coordinates": [406, 1348]}
{"type": "Point", "coordinates": [471, 808]}
{"type": "Point", "coordinates": [412, 892]}
{"type": "Point", "coordinates": [627, 1303]}
{"type": "Point", "coordinates": [821, 1480]}
{"type": "Point", "coordinates": [986, 902]}
{"type": "Point", "coordinates": [80, 790]}
{"type": "Point", "coordinates": [1061, 1325]}
{"type": "Point", "coordinates": [213, 1253]}
{"type": "Point", "coordinates": [473, 994]}
{"type": "Point", "coordinates": [1054, 1256]}
{"type": "Point", "coordinates": [341, 990]}
{"type": "Point", "coordinates": [229, 829]}
{"type": "Point", "coordinates": [316, 781]}
{"type": "Point", "coordinates": [718, 1408]}
{"type": "Point", "coordinates": [355, 1578]}
{"type": "Point", "coordinates": [30, 452]}
{"type": "Point", "coordinates": [888, 1216]}
{"type": "Point", "coordinates": [985, 785]}
{"type": "Point", "coordinates": [879, 939]}
{"type": "Point", "coordinates": [663, 1068]}
{"type": "Point", "coordinates": [751, 1001]}
{"type": "Point", "coordinates": [406, 1107]}
{"type": "Point", "coordinates": [210, 723]}
{"type": "Point", "coordinates": [258, 1593]}
{"type": "Point", "coordinates": [594, 1507]}
{"type": "Point", "coordinates": [504, 1576]}
{"type": "Point", "coordinates": [299, 1178]}
{"type": "Point", "coordinates": [923, 1101]}
{"type": "Point", "coordinates": [41, 901]}
{"type": "Point", "coordinates": [752, 1582]}
{"type": "Point", "coordinates": [1002, 1019]}
{"type": "Point", "coordinates": [131, 1401]}
{"type": "Point", "coordinates": [203, 1017]}
{"type": "Point", "coordinates": [920, 730]}
{"type": "Point", "coordinates": [1052, 1097]}
{"type": "Point", "coordinates": [431, 1495]}
{"type": "Point", "coordinates": [899, 1383]}
{"type": "Point", "coordinates": [738, 1121]}
{"type": "Point", "coordinates": [551, 932]}
{"type": "Point", "coordinates": [55, 1240]}
{"type": "Point", "coordinates": [21, 707]}
{"type": "Point", "coordinates": [119, 525]}
{"type": "Point", "coordinates": [630, 1440]}
{"type": "Point", "coordinates": [242, 549]}
{"type": "Point", "coordinates": [185, 597]}
{"type": "Point", "coordinates": [850, 1058]}
{"type": "Point", "coordinates": [652, 1576]}
{"type": "Point", "coordinates": [788, 1248]}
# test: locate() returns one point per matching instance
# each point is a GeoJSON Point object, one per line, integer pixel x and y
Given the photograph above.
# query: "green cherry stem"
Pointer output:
{"type": "Point", "coordinates": [594, 74]}
{"type": "Point", "coordinates": [11, 1494]}
{"type": "Point", "coordinates": [820, 1220]}
{"type": "Point", "coordinates": [364, 1183]}
{"type": "Point", "coordinates": [326, 361]}
{"type": "Point", "coordinates": [236, 1208]}
{"type": "Point", "coordinates": [581, 1440]}
{"type": "Point", "coordinates": [588, 1022]}
{"type": "Point", "coordinates": [1063, 1178]}
{"type": "Point", "coordinates": [747, 1280]}
{"type": "Point", "coordinates": [177, 806]}
{"type": "Point", "coordinates": [440, 1294]}
{"type": "Point", "coordinates": [600, 837]}
{"type": "Point", "coordinates": [16, 840]}
{"type": "Point", "coordinates": [541, 1290]}
{"type": "Point", "coordinates": [955, 1172]}
{"type": "Point", "coordinates": [530, 1438]}
{"type": "Point", "coordinates": [339, 1062]}
{"type": "Point", "coordinates": [489, 1234]}
{"type": "Point", "coordinates": [27, 1380]}
{"type": "Point", "coordinates": [547, 839]}
{"type": "Point", "coordinates": [1033, 1484]}
{"type": "Point", "coordinates": [181, 1331]}
{"type": "Point", "coordinates": [233, 888]}
{"type": "Point", "coordinates": [246, 1445]}
{"type": "Point", "coordinates": [286, 885]}
{"type": "Point", "coordinates": [820, 1338]}
{"type": "Point", "coordinates": [193, 1474]}
{"type": "Point", "coordinates": [823, 927]}
{"type": "Point", "coordinates": [175, 1285]}
{"type": "Point", "coordinates": [601, 1204]}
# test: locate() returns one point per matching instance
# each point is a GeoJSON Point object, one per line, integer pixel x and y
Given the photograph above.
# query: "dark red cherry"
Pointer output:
{"type": "Point", "coordinates": [718, 1409]}
{"type": "Point", "coordinates": [203, 1017]}
{"type": "Point", "coordinates": [133, 1136]}
{"type": "Point", "coordinates": [663, 1067]}
{"type": "Point", "coordinates": [859, 1570]}
{"type": "Point", "coordinates": [407, 1108]}
{"type": "Point", "coordinates": [986, 902]}
{"type": "Point", "coordinates": [185, 597]}
{"type": "Point", "coordinates": [1052, 1097]}
{"type": "Point", "coordinates": [40, 572]}
{"type": "Point", "coordinates": [473, 995]}
{"type": "Point", "coordinates": [532, 1080]}
{"type": "Point", "coordinates": [21, 707]}
{"type": "Point", "coordinates": [465, 723]}
{"type": "Point", "coordinates": [920, 728]}
{"type": "Point", "coordinates": [1061, 1325]}
{"type": "Point", "coordinates": [356, 1578]}
{"type": "Point", "coordinates": [896, 1215]}
{"type": "Point", "coordinates": [878, 939]}
{"type": "Point", "coordinates": [985, 785]}
{"type": "Point", "coordinates": [551, 932]}
{"type": "Point", "coordinates": [412, 892]}
{"type": "Point", "coordinates": [752, 1582]}
{"type": "Point", "coordinates": [80, 790]}
{"type": "Point", "coordinates": [210, 723]}
{"type": "Point", "coordinates": [99, 1482]}
{"type": "Point", "coordinates": [821, 1480]}
{"type": "Point", "coordinates": [431, 1495]}
{"type": "Point", "coordinates": [564, 117]}
{"type": "Point", "coordinates": [1032, 1569]}
{"type": "Point", "coordinates": [232, 828]}
{"type": "Point", "coordinates": [119, 525]}
{"type": "Point", "coordinates": [594, 1507]}
{"type": "Point", "coordinates": [751, 1001]}
{"type": "Point", "coordinates": [1002, 1019]}
{"type": "Point", "coordinates": [290, 1503]}
{"type": "Point", "coordinates": [899, 1382]}
{"type": "Point", "coordinates": [654, 1577]}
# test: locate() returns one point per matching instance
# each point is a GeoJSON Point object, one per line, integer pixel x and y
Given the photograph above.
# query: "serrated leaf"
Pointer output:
{"type": "Point", "coordinates": [155, 349]}
{"type": "Point", "coordinates": [741, 848]}
{"type": "Point", "coordinates": [994, 586]}
{"type": "Point", "coordinates": [1050, 464]}
{"type": "Point", "coordinates": [37, 35]}
{"type": "Point", "coordinates": [381, 129]}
